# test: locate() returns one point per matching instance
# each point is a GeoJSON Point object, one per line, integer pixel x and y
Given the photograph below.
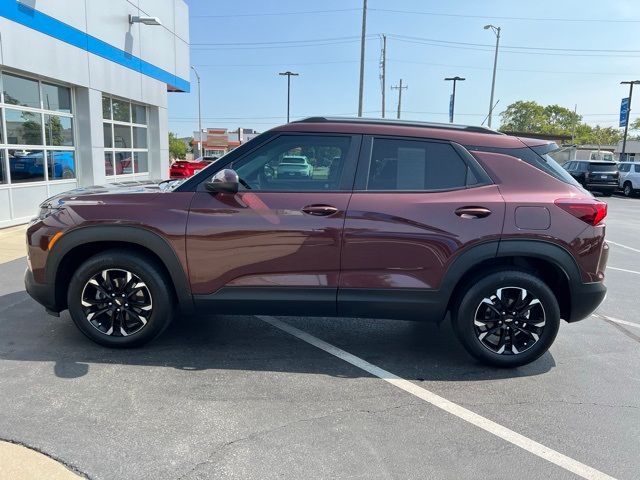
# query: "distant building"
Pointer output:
{"type": "Point", "coordinates": [219, 141]}
{"type": "Point", "coordinates": [632, 151]}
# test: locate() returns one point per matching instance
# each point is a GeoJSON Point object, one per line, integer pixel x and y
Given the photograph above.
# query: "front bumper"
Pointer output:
{"type": "Point", "coordinates": [585, 299]}
{"type": "Point", "coordinates": [42, 293]}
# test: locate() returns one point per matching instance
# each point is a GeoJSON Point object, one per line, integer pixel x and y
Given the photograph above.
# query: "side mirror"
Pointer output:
{"type": "Point", "coordinates": [225, 181]}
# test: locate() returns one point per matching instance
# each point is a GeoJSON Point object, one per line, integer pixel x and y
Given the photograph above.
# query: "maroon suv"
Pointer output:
{"type": "Point", "coordinates": [398, 220]}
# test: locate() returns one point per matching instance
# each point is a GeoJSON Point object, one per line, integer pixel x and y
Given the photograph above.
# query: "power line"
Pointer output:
{"type": "Point", "coordinates": [497, 17]}
{"type": "Point", "coordinates": [276, 14]}
{"type": "Point", "coordinates": [311, 40]}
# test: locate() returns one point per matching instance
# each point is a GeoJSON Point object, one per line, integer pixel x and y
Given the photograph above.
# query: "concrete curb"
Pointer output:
{"type": "Point", "coordinates": [18, 462]}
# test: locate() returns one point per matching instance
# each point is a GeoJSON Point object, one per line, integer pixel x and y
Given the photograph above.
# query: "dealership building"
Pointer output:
{"type": "Point", "coordinates": [84, 94]}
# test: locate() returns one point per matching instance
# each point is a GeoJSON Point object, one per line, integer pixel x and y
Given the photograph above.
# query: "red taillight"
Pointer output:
{"type": "Point", "coordinates": [589, 211]}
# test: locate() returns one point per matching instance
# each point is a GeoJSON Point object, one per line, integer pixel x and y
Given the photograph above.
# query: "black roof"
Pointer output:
{"type": "Point", "coordinates": [406, 123]}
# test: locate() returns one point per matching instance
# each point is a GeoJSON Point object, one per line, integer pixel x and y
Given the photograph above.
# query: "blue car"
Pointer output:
{"type": "Point", "coordinates": [25, 165]}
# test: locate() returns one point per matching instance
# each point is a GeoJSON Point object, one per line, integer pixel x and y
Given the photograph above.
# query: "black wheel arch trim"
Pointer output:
{"type": "Point", "coordinates": [139, 236]}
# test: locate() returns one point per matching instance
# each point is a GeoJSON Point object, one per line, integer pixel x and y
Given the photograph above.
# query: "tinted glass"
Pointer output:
{"type": "Point", "coordinates": [602, 167]}
{"type": "Point", "coordinates": [55, 97]}
{"type": "Point", "coordinates": [409, 165]}
{"type": "Point", "coordinates": [61, 164]}
{"type": "Point", "coordinates": [23, 128]}
{"type": "Point", "coordinates": [26, 166]}
{"type": "Point", "coordinates": [20, 91]}
{"type": "Point", "coordinates": [106, 108]}
{"type": "Point", "coordinates": [139, 113]}
{"type": "Point", "coordinates": [636, 168]}
{"type": "Point", "coordinates": [121, 136]}
{"type": "Point", "coordinates": [121, 111]}
{"type": "Point", "coordinates": [1, 124]}
{"type": "Point", "coordinates": [265, 170]}
{"type": "Point", "coordinates": [141, 162]}
{"type": "Point", "coordinates": [108, 163]}
{"type": "Point", "coordinates": [108, 135]}
{"type": "Point", "coordinates": [58, 131]}
{"type": "Point", "coordinates": [3, 174]}
{"type": "Point", "coordinates": [139, 137]}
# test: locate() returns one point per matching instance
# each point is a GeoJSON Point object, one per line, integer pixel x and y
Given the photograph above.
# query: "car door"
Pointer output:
{"type": "Point", "coordinates": [275, 245]}
{"type": "Point", "coordinates": [417, 204]}
{"type": "Point", "coordinates": [635, 176]}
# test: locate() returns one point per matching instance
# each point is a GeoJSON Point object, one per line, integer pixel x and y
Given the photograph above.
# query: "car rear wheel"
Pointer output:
{"type": "Point", "coordinates": [120, 299]}
{"type": "Point", "coordinates": [627, 189]}
{"type": "Point", "coordinates": [507, 319]}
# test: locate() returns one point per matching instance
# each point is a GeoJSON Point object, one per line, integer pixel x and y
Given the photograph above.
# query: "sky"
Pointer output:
{"type": "Point", "coordinates": [569, 52]}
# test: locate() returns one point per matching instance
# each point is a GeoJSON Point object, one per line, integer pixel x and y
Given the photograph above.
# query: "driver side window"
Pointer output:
{"type": "Point", "coordinates": [295, 163]}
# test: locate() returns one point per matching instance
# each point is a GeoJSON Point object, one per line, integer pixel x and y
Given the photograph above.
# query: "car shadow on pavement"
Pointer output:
{"type": "Point", "coordinates": [412, 350]}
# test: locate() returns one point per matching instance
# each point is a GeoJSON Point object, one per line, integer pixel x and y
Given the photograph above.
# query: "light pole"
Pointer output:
{"type": "Point", "coordinates": [626, 124]}
{"type": "Point", "coordinates": [288, 74]}
{"type": "Point", "coordinates": [200, 150]}
{"type": "Point", "coordinates": [496, 30]}
{"type": "Point", "coordinates": [452, 105]}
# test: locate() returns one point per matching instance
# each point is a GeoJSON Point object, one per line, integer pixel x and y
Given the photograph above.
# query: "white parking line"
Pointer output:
{"type": "Point", "coordinates": [617, 320]}
{"type": "Point", "coordinates": [622, 270]}
{"type": "Point", "coordinates": [479, 421]}
{"type": "Point", "coordinates": [623, 246]}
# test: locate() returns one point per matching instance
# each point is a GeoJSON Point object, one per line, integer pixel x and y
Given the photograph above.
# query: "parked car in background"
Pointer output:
{"type": "Point", "coordinates": [595, 176]}
{"type": "Point", "coordinates": [416, 221]}
{"type": "Point", "coordinates": [187, 168]}
{"type": "Point", "coordinates": [30, 165]}
{"type": "Point", "coordinates": [629, 181]}
{"type": "Point", "coordinates": [294, 166]}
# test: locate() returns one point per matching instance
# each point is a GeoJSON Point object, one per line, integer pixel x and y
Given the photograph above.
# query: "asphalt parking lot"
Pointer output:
{"type": "Point", "coordinates": [249, 397]}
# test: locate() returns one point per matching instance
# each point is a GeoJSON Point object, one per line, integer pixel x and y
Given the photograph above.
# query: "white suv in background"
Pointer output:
{"type": "Point", "coordinates": [629, 179]}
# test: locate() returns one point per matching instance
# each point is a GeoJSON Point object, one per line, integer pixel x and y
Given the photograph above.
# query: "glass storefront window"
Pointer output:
{"type": "Point", "coordinates": [20, 91]}
{"type": "Point", "coordinates": [124, 164]}
{"type": "Point", "coordinates": [61, 164]}
{"type": "Point", "coordinates": [141, 162]}
{"type": "Point", "coordinates": [139, 137]}
{"type": "Point", "coordinates": [106, 108]}
{"type": "Point", "coordinates": [58, 130]}
{"type": "Point", "coordinates": [108, 163]}
{"type": "Point", "coordinates": [121, 136]}
{"type": "Point", "coordinates": [3, 174]}
{"type": "Point", "coordinates": [56, 97]}
{"type": "Point", "coordinates": [26, 165]}
{"type": "Point", "coordinates": [139, 113]}
{"type": "Point", "coordinates": [108, 135]}
{"type": "Point", "coordinates": [23, 127]}
{"type": "Point", "coordinates": [121, 112]}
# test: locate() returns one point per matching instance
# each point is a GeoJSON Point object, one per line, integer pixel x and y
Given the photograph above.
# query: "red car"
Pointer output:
{"type": "Point", "coordinates": [185, 168]}
{"type": "Point", "coordinates": [399, 220]}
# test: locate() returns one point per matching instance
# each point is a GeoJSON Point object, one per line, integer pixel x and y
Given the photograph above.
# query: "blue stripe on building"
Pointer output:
{"type": "Point", "coordinates": [43, 23]}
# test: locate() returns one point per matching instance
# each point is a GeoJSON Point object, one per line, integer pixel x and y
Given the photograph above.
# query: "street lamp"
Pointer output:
{"type": "Point", "coordinates": [496, 30]}
{"type": "Point", "coordinates": [452, 104]}
{"type": "Point", "coordinates": [200, 154]}
{"type": "Point", "coordinates": [144, 20]}
{"type": "Point", "coordinates": [626, 123]}
{"type": "Point", "coordinates": [288, 74]}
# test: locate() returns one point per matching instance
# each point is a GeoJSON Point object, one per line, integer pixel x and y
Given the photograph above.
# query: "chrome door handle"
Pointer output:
{"type": "Point", "coordinates": [320, 210]}
{"type": "Point", "coordinates": [473, 212]}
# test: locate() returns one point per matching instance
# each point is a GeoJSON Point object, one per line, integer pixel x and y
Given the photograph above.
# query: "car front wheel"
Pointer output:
{"type": "Point", "coordinates": [627, 190]}
{"type": "Point", "coordinates": [507, 319]}
{"type": "Point", "coordinates": [120, 299]}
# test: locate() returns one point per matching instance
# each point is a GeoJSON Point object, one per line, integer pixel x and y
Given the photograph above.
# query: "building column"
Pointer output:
{"type": "Point", "coordinates": [90, 137]}
{"type": "Point", "coordinates": [158, 128]}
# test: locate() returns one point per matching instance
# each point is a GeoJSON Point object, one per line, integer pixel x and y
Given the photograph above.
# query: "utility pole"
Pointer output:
{"type": "Point", "coordinates": [452, 104]}
{"type": "Point", "coordinates": [362, 40]}
{"type": "Point", "coordinates": [575, 121]}
{"type": "Point", "coordinates": [200, 149]}
{"type": "Point", "coordinates": [496, 30]}
{"type": "Point", "coordinates": [626, 123]}
{"type": "Point", "coordinates": [399, 88]}
{"type": "Point", "coordinates": [383, 76]}
{"type": "Point", "coordinates": [288, 74]}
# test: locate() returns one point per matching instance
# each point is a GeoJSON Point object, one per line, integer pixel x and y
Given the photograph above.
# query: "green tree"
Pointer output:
{"type": "Point", "coordinates": [177, 148]}
{"type": "Point", "coordinates": [523, 116]}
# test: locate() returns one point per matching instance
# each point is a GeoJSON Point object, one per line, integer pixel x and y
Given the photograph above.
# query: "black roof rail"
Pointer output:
{"type": "Point", "coordinates": [407, 123]}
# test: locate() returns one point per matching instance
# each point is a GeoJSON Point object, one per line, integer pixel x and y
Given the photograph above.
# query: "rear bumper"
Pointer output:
{"type": "Point", "coordinates": [603, 186]}
{"type": "Point", "coordinates": [585, 299]}
{"type": "Point", "coordinates": [41, 292]}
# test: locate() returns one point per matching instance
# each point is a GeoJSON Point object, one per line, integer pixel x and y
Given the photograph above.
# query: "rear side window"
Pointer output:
{"type": "Point", "coordinates": [624, 167]}
{"type": "Point", "coordinates": [415, 165]}
{"type": "Point", "coordinates": [637, 168]}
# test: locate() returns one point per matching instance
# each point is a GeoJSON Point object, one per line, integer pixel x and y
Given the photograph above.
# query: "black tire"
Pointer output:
{"type": "Point", "coordinates": [160, 298]}
{"type": "Point", "coordinates": [471, 302]}
{"type": "Point", "coordinates": [627, 189]}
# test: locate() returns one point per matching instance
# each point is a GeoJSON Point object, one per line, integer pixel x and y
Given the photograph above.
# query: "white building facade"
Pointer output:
{"type": "Point", "coordinates": [84, 94]}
